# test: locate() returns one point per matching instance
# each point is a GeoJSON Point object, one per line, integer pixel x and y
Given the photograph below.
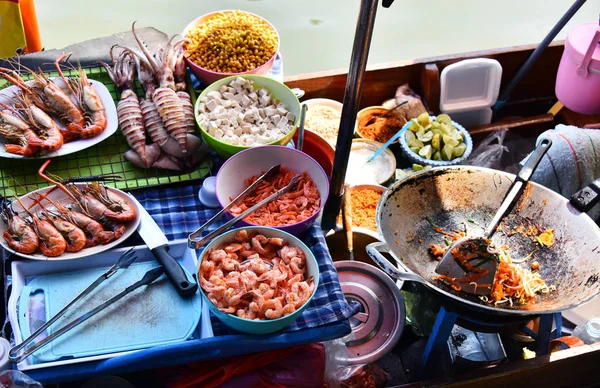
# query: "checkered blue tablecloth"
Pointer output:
{"type": "Point", "coordinates": [178, 212]}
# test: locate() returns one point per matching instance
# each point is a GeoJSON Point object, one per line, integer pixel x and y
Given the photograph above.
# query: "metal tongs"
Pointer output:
{"type": "Point", "coordinates": [195, 244]}
{"type": "Point", "coordinates": [124, 262]}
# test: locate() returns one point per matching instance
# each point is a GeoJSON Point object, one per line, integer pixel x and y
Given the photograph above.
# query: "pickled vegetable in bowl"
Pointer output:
{"type": "Point", "coordinates": [431, 140]}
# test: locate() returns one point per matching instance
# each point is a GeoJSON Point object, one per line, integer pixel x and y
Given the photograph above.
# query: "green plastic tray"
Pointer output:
{"type": "Point", "coordinates": [19, 176]}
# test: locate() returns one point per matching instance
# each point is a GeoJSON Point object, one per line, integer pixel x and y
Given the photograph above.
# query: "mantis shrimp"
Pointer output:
{"type": "Point", "coordinates": [128, 107]}
{"type": "Point", "coordinates": [165, 98]}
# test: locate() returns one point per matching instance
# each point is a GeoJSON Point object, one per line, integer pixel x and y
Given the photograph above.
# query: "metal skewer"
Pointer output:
{"type": "Point", "coordinates": [124, 262]}
{"type": "Point", "coordinates": [199, 243]}
{"type": "Point", "coordinates": [266, 176]}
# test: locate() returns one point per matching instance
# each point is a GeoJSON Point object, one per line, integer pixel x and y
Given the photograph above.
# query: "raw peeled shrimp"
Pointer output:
{"type": "Point", "coordinates": [128, 107]}
{"type": "Point", "coordinates": [19, 235]}
{"type": "Point", "coordinates": [45, 94]}
{"type": "Point", "coordinates": [253, 290]}
{"type": "Point", "coordinates": [297, 265]}
{"type": "Point", "coordinates": [88, 101]}
{"type": "Point", "coordinates": [272, 309]}
{"type": "Point", "coordinates": [246, 313]}
{"type": "Point", "coordinates": [233, 296]}
{"type": "Point", "coordinates": [265, 291]}
{"type": "Point", "coordinates": [293, 299]}
{"type": "Point", "coordinates": [288, 309]}
{"type": "Point", "coordinates": [167, 102]}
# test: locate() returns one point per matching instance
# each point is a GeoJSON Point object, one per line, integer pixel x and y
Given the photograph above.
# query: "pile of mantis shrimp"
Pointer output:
{"type": "Point", "coordinates": [29, 121]}
{"type": "Point", "coordinates": [93, 215]}
{"type": "Point", "coordinates": [165, 114]}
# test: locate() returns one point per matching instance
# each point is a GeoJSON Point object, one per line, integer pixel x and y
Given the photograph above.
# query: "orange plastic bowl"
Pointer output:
{"type": "Point", "coordinates": [209, 76]}
{"type": "Point", "coordinates": [319, 149]}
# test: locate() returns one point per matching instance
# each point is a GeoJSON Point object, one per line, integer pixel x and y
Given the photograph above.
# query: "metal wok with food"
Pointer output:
{"type": "Point", "coordinates": [413, 212]}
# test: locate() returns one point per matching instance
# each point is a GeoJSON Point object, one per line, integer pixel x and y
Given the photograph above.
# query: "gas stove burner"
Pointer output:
{"type": "Point", "coordinates": [378, 325]}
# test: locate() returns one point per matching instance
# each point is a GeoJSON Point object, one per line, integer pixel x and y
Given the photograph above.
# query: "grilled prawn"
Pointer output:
{"type": "Point", "coordinates": [87, 99]}
{"type": "Point", "coordinates": [19, 235]}
{"type": "Point", "coordinates": [48, 96]}
{"type": "Point", "coordinates": [17, 133]}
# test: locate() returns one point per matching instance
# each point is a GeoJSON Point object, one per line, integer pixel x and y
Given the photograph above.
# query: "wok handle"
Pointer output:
{"type": "Point", "coordinates": [585, 199]}
{"type": "Point", "coordinates": [534, 160]}
{"type": "Point", "coordinates": [375, 250]}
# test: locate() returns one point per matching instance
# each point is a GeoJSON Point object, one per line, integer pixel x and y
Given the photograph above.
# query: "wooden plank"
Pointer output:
{"type": "Point", "coordinates": [430, 85]}
{"type": "Point", "coordinates": [520, 122]}
{"type": "Point", "coordinates": [575, 367]}
{"type": "Point", "coordinates": [382, 80]}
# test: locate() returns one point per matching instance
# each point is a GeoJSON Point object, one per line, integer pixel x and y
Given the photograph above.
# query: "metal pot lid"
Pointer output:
{"type": "Point", "coordinates": [379, 323]}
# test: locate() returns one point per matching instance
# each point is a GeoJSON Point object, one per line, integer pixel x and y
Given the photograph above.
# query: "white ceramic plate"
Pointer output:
{"type": "Point", "coordinates": [112, 124]}
{"type": "Point", "coordinates": [59, 196]}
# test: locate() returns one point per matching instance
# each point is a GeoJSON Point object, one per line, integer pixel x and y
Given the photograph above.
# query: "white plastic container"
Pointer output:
{"type": "Point", "coordinates": [468, 90]}
{"type": "Point", "coordinates": [588, 332]}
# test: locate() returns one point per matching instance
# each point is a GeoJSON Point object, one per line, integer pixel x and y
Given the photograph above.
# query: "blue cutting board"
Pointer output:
{"type": "Point", "coordinates": [149, 316]}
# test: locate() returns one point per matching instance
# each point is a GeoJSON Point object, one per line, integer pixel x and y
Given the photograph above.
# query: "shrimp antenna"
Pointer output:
{"type": "Point", "coordinates": [42, 173]}
{"type": "Point", "coordinates": [16, 196]}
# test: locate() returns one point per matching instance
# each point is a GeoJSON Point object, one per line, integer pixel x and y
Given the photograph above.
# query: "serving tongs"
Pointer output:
{"type": "Point", "coordinates": [195, 244]}
{"type": "Point", "coordinates": [124, 262]}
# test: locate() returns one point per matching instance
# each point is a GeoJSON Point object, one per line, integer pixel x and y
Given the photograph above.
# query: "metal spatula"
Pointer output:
{"type": "Point", "coordinates": [450, 267]}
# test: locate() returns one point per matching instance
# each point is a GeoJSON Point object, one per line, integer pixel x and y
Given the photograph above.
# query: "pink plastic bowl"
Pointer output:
{"type": "Point", "coordinates": [208, 76]}
{"type": "Point", "coordinates": [257, 160]}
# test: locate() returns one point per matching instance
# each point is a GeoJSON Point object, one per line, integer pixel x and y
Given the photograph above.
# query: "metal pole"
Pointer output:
{"type": "Point", "coordinates": [505, 95]}
{"type": "Point", "coordinates": [354, 86]}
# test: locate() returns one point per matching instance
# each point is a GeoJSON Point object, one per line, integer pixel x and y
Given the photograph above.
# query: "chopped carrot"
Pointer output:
{"type": "Point", "coordinates": [436, 250]}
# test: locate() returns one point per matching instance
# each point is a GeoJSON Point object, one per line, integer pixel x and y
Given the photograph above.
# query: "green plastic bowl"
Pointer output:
{"type": "Point", "coordinates": [277, 90]}
{"type": "Point", "coordinates": [261, 326]}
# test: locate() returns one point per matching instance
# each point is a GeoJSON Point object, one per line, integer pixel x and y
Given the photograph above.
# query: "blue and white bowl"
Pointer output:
{"type": "Point", "coordinates": [261, 326]}
{"type": "Point", "coordinates": [417, 159]}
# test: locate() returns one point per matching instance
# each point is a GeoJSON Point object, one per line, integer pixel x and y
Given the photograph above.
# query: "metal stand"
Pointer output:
{"type": "Point", "coordinates": [354, 86]}
{"type": "Point", "coordinates": [447, 319]}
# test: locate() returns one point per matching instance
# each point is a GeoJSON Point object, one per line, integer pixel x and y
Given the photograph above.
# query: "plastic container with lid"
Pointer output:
{"type": "Point", "coordinates": [588, 332]}
{"type": "Point", "coordinates": [470, 88]}
{"type": "Point", "coordinates": [578, 77]}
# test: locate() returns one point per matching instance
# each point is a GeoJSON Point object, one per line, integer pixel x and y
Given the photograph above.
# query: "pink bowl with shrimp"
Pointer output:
{"type": "Point", "coordinates": [256, 161]}
{"type": "Point", "coordinates": [262, 326]}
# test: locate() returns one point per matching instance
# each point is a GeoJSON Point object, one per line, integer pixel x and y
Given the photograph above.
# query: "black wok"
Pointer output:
{"type": "Point", "coordinates": [451, 196]}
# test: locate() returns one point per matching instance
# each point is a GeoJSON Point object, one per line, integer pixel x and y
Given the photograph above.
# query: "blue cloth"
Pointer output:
{"type": "Point", "coordinates": [178, 212]}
